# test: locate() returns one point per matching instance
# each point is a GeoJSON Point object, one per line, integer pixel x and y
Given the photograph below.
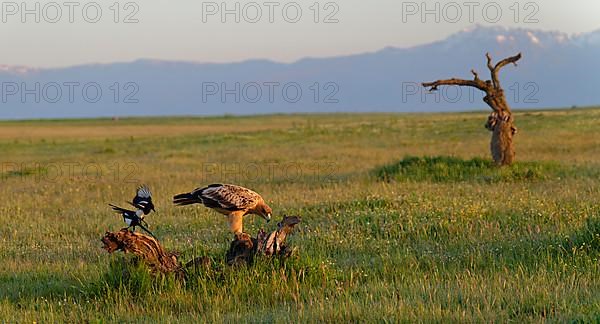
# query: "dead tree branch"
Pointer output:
{"type": "Point", "coordinates": [500, 122]}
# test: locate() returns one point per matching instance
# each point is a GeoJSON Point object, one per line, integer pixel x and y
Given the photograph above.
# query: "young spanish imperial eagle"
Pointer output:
{"type": "Point", "coordinates": [233, 201]}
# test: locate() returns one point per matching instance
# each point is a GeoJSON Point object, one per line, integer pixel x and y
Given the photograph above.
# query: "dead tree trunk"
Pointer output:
{"type": "Point", "coordinates": [501, 121]}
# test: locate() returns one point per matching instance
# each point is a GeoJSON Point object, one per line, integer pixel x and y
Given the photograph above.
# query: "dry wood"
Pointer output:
{"type": "Point", "coordinates": [500, 121]}
{"type": "Point", "coordinates": [274, 243]}
{"type": "Point", "coordinates": [241, 251]}
{"type": "Point", "coordinates": [144, 247]}
{"type": "Point", "coordinates": [243, 248]}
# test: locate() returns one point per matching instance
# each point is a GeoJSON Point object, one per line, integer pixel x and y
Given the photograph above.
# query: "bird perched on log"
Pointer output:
{"type": "Point", "coordinates": [132, 218]}
{"type": "Point", "coordinates": [233, 201]}
{"type": "Point", "coordinates": [143, 200]}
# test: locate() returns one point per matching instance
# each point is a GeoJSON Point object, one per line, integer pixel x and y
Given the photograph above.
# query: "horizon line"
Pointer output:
{"type": "Point", "coordinates": [116, 118]}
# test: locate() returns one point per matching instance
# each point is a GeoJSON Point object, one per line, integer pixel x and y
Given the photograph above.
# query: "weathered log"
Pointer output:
{"type": "Point", "coordinates": [146, 248]}
{"type": "Point", "coordinates": [241, 251]}
{"type": "Point", "coordinates": [501, 121]}
{"type": "Point", "coordinates": [244, 247]}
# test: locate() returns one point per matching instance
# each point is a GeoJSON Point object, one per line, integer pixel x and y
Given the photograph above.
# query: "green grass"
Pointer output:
{"type": "Point", "coordinates": [453, 169]}
{"type": "Point", "coordinates": [404, 219]}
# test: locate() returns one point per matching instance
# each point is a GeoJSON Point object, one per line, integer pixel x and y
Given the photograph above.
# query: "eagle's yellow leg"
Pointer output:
{"type": "Point", "coordinates": [236, 222]}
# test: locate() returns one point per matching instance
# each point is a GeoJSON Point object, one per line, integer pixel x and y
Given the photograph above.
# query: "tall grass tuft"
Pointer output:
{"type": "Point", "coordinates": [128, 276]}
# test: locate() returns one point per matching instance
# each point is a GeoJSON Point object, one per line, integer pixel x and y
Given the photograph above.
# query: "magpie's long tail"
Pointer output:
{"type": "Point", "coordinates": [186, 199]}
{"type": "Point", "coordinates": [118, 209]}
{"type": "Point", "coordinates": [147, 231]}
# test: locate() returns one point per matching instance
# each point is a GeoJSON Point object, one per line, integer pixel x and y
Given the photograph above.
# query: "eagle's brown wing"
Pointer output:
{"type": "Point", "coordinates": [229, 197]}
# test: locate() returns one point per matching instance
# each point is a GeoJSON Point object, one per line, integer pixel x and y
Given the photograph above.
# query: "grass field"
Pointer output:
{"type": "Point", "coordinates": [403, 218]}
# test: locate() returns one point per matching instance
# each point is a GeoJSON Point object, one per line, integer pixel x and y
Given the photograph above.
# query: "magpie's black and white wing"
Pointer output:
{"type": "Point", "coordinates": [143, 196]}
{"type": "Point", "coordinates": [143, 199]}
{"type": "Point", "coordinates": [131, 218]}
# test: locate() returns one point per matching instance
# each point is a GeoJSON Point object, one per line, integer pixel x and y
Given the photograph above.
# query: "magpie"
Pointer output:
{"type": "Point", "coordinates": [132, 218]}
{"type": "Point", "coordinates": [143, 200]}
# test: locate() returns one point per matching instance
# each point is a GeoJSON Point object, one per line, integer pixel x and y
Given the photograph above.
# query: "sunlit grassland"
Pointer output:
{"type": "Point", "coordinates": [452, 239]}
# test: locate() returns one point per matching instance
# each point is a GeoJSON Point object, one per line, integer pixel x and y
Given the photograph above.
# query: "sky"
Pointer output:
{"type": "Point", "coordinates": [58, 34]}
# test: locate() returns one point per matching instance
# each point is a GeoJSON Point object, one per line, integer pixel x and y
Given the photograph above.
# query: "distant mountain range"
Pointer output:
{"type": "Point", "coordinates": [557, 70]}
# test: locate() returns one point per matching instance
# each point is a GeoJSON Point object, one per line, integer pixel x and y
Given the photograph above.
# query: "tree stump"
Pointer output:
{"type": "Point", "coordinates": [244, 247]}
{"type": "Point", "coordinates": [241, 250]}
{"type": "Point", "coordinates": [500, 121]}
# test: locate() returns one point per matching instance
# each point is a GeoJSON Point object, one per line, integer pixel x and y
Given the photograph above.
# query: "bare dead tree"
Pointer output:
{"type": "Point", "coordinates": [501, 121]}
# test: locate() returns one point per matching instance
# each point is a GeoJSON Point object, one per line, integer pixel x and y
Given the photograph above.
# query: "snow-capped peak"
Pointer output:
{"type": "Point", "coordinates": [587, 39]}
{"type": "Point", "coordinates": [16, 70]}
{"type": "Point", "coordinates": [505, 36]}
